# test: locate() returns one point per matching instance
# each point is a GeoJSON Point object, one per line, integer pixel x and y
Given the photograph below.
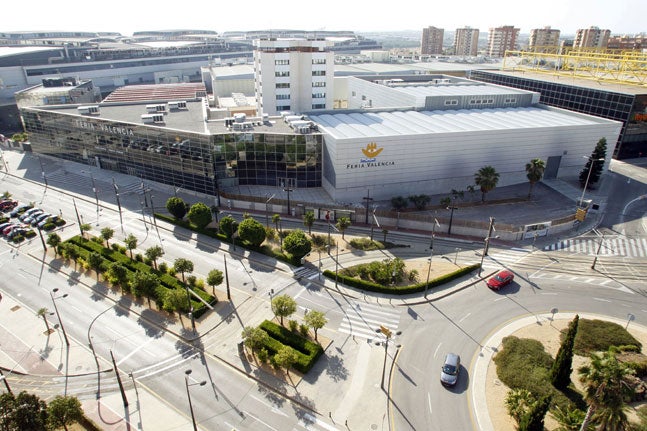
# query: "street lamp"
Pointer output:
{"type": "Point", "coordinates": [116, 187]}
{"type": "Point", "coordinates": [267, 211]}
{"type": "Point", "coordinates": [51, 294]}
{"type": "Point", "coordinates": [588, 176]}
{"type": "Point", "coordinates": [451, 218]}
{"type": "Point", "coordinates": [187, 373]}
{"type": "Point", "coordinates": [387, 333]}
{"type": "Point", "coordinates": [431, 252]}
{"type": "Point", "coordinates": [486, 243]}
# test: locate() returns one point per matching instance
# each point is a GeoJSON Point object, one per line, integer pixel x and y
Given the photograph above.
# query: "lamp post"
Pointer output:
{"type": "Point", "coordinates": [187, 373]}
{"type": "Point", "coordinates": [588, 176]}
{"type": "Point", "coordinates": [42, 171]}
{"type": "Point", "coordinates": [267, 211]}
{"type": "Point", "coordinates": [387, 333]}
{"type": "Point", "coordinates": [451, 218]}
{"type": "Point", "coordinates": [116, 187]}
{"type": "Point", "coordinates": [431, 252]}
{"type": "Point", "coordinates": [486, 244]}
{"type": "Point", "coordinates": [51, 294]}
{"type": "Point", "coordinates": [287, 187]}
{"type": "Point", "coordinates": [597, 253]}
{"type": "Point", "coordinates": [368, 200]}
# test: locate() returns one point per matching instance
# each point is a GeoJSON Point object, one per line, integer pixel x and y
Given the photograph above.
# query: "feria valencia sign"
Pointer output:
{"type": "Point", "coordinates": [371, 153]}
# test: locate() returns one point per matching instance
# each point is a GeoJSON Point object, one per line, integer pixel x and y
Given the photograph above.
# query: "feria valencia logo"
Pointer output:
{"type": "Point", "coordinates": [370, 161]}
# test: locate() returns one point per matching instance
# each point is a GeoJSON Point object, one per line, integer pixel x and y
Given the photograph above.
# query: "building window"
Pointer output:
{"type": "Point", "coordinates": [318, 95]}
{"type": "Point", "coordinates": [281, 74]}
{"type": "Point", "coordinates": [318, 73]}
{"type": "Point", "coordinates": [318, 61]}
{"type": "Point", "coordinates": [282, 97]}
{"type": "Point", "coordinates": [283, 108]}
{"type": "Point", "coordinates": [319, 106]}
{"type": "Point", "coordinates": [281, 62]}
{"type": "Point", "coordinates": [283, 85]}
{"type": "Point", "coordinates": [510, 100]}
{"type": "Point", "coordinates": [451, 102]}
{"type": "Point", "coordinates": [319, 84]}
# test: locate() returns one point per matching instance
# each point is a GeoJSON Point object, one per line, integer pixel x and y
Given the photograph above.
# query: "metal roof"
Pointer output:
{"type": "Point", "coordinates": [398, 123]}
{"type": "Point", "coordinates": [457, 90]}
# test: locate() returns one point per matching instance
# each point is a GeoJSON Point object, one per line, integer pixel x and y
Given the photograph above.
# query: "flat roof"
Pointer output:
{"type": "Point", "coordinates": [565, 79]}
{"type": "Point", "coordinates": [397, 123]}
{"type": "Point", "coordinates": [468, 89]}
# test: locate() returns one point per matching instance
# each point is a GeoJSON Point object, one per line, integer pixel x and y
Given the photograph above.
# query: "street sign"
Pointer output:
{"type": "Point", "coordinates": [386, 331]}
{"type": "Point", "coordinates": [580, 214]}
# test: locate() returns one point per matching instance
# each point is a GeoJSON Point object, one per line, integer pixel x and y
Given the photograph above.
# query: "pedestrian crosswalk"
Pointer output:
{"type": "Point", "coordinates": [363, 319]}
{"type": "Point", "coordinates": [504, 258]}
{"type": "Point", "coordinates": [306, 272]}
{"type": "Point", "coordinates": [603, 246]}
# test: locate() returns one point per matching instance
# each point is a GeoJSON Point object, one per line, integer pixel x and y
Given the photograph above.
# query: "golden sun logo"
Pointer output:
{"type": "Point", "coordinates": [371, 150]}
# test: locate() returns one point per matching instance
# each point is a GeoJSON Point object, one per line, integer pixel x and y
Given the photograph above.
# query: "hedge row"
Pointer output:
{"type": "Point", "coordinates": [86, 247]}
{"type": "Point", "coordinates": [400, 290]}
{"type": "Point", "coordinates": [213, 233]}
{"type": "Point", "coordinates": [307, 351]}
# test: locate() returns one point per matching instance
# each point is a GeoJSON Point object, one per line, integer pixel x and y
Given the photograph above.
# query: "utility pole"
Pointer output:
{"type": "Point", "coordinates": [489, 234]}
{"type": "Point", "coordinates": [121, 385]}
{"type": "Point", "coordinates": [227, 278]}
{"type": "Point", "coordinates": [368, 200]}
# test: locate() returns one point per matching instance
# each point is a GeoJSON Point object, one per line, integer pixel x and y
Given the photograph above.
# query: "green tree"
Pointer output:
{"type": "Point", "coordinates": [399, 203]}
{"type": "Point", "coordinates": [22, 412]}
{"type": "Point", "coordinates": [560, 373]}
{"type": "Point", "coordinates": [144, 283]}
{"type": "Point", "coordinates": [534, 419]}
{"type": "Point", "coordinates": [606, 391]}
{"type": "Point", "coordinates": [153, 253]}
{"type": "Point", "coordinates": [174, 300]}
{"type": "Point", "coordinates": [214, 278]}
{"type": "Point", "coordinates": [176, 207]}
{"type": "Point", "coordinates": [534, 172]}
{"type": "Point", "coordinates": [309, 220]}
{"type": "Point", "coordinates": [283, 306]}
{"type": "Point", "coordinates": [254, 338]}
{"type": "Point", "coordinates": [297, 244]}
{"type": "Point", "coordinates": [595, 163]}
{"type": "Point", "coordinates": [316, 320]}
{"type": "Point", "coordinates": [43, 312]}
{"type": "Point", "coordinates": [446, 201]}
{"type": "Point", "coordinates": [200, 215]}
{"type": "Point", "coordinates": [117, 274]}
{"type": "Point", "coordinates": [131, 243]}
{"type": "Point", "coordinates": [183, 266]}
{"type": "Point", "coordinates": [276, 219]}
{"type": "Point", "coordinates": [286, 357]}
{"type": "Point", "coordinates": [419, 201]}
{"type": "Point", "coordinates": [343, 223]}
{"type": "Point", "coordinates": [252, 231]}
{"type": "Point", "coordinates": [486, 178]}
{"type": "Point", "coordinates": [106, 234]}
{"type": "Point", "coordinates": [85, 227]}
{"type": "Point", "coordinates": [228, 226]}
{"type": "Point", "coordinates": [54, 240]}
{"type": "Point", "coordinates": [95, 261]}
{"type": "Point", "coordinates": [64, 411]}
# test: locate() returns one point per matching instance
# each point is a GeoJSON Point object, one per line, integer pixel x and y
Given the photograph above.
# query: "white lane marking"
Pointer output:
{"type": "Point", "coordinates": [429, 402]}
{"type": "Point", "coordinates": [272, 407]}
{"type": "Point", "coordinates": [320, 423]}
{"type": "Point", "coordinates": [437, 348]}
{"type": "Point", "coordinates": [466, 316]}
{"type": "Point", "coordinates": [601, 299]}
{"type": "Point", "coordinates": [257, 419]}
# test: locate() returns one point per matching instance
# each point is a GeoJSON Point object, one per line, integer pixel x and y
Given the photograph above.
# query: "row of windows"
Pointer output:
{"type": "Point", "coordinates": [315, 84]}
{"type": "Point", "coordinates": [281, 62]}
{"type": "Point", "coordinates": [282, 97]}
{"type": "Point", "coordinates": [283, 85]}
{"type": "Point", "coordinates": [318, 61]}
{"type": "Point", "coordinates": [482, 101]}
{"type": "Point", "coordinates": [451, 102]}
{"type": "Point", "coordinates": [318, 95]}
{"type": "Point", "coordinates": [318, 73]}
{"type": "Point", "coordinates": [319, 84]}
{"type": "Point", "coordinates": [281, 74]}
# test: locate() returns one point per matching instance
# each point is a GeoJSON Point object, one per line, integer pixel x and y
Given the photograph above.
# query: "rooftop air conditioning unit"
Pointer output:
{"type": "Point", "coordinates": [155, 108]}
{"type": "Point", "coordinates": [179, 104]}
{"type": "Point", "coordinates": [94, 109]}
{"type": "Point", "coordinates": [152, 118]}
{"type": "Point", "coordinates": [240, 118]}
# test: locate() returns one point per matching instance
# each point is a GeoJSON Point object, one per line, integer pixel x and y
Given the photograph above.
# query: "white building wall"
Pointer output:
{"type": "Point", "coordinates": [365, 94]}
{"type": "Point", "coordinates": [435, 164]}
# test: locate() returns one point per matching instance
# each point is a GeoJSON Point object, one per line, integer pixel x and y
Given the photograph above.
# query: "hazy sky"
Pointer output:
{"type": "Point", "coordinates": [619, 16]}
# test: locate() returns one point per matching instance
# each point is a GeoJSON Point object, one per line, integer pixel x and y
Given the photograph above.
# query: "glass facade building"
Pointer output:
{"type": "Point", "coordinates": [603, 102]}
{"type": "Point", "coordinates": [201, 162]}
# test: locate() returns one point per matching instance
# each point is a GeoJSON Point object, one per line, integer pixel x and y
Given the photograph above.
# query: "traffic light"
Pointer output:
{"type": "Point", "coordinates": [580, 214]}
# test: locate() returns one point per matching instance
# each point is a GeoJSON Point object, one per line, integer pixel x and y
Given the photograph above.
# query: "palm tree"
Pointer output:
{"type": "Point", "coordinates": [43, 312]}
{"type": "Point", "coordinates": [54, 240]}
{"type": "Point", "coordinates": [154, 253]}
{"type": "Point", "coordinates": [131, 243]}
{"type": "Point", "coordinates": [487, 178]}
{"type": "Point", "coordinates": [606, 392]}
{"type": "Point", "coordinates": [106, 234]}
{"type": "Point", "coordinates": [309, 220]}
{"type": "Point", "coordinates": [342, 224]}
{"type": "Point", "coordinates": [534, 172]}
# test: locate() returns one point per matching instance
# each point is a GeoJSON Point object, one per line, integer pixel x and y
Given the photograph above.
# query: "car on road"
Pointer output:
{"type": "Point", "coordinates": [450, 369]}
{"type": "Point", "coordinates": [500, 279]}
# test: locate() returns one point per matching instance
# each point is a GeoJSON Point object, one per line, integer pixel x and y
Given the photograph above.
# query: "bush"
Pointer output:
{"type": "Point", "coordinates": [293, 325]}
{"type": "Point", "coordinates": [162, 267]}
{"type": "Point", "coordinates": [599, 335]}
{"type": "Point", "coordinates": [366, 244]}
{"type": "Point", "coordinates": [304, 330]}
{"type": "Point", "coordinates": [307, 351]}
{"type": "Point", "coordinates": [263, 355]}
{"type": "Point", "coordinates": [524, 364]}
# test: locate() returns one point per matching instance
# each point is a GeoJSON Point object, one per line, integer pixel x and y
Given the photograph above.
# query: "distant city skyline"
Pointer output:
{"type": "Point", "coordinates": [621, 17]}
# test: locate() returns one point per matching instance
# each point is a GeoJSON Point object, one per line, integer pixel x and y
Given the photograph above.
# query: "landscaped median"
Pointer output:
{"type": "Point", "coordinates": [307, 351]}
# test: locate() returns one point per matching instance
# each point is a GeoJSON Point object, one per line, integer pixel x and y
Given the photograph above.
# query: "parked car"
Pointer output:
{"type": "Point", "coordinates": [8, 204]}
{"type": "Point", "coordinates": [50, 219]}
{"type": "Point", "coordinates": [501, 279]}
{"type": "Point", "coordinates": [8, 229]}
{"type": "Point", "coordinates": [37, 219]}
{"type": "Point", "coordinates": [450, 369]}
{"type": "Point", "coordinates": [20, 209]}
{"type": "Point", "coordinates": [17, 231]}
{"type": "Point", "coordinates": [28, 217]}
{"type": "Point", "coordinates": [5, 225]}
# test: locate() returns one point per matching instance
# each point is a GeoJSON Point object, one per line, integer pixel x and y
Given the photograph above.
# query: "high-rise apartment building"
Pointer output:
{"type": "Point", "coordinates": [466, 41]}
{"type": "Point", "coordinates": [626, 42]}
{"type": "Point", "coordinates": [293, 75]}
{"type": "Point", "coordinates": [543, 39]}
{"type": "Point", "coordinates": [432, 41]}
{"type": "Point", "coordinates": [591, 37]}
{"type": "Point", "coordinates": [502, 39]}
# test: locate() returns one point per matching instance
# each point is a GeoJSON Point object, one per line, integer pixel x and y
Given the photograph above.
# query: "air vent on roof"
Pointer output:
{"type": "Point", "coordinates": [152, 118]}
{"type": "Point", "coordinates": [155, 108]}
{"type": "Point", "coordinates": [179, 104]}
{"type": "Point", "coordinates": [240, 117]}
{"type": "Point", "coordinates": [94, 109]}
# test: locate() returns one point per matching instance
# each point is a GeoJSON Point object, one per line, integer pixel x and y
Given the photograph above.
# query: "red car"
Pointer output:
{"type": "Point", "coordinates": [502, 278]}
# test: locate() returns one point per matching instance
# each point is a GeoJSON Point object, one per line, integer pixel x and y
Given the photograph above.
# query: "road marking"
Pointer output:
{"type": "Point", "coordinates": [600, 299]}
{"type": "Point", "coordinates": [429, 402]}
{"type": "Point", "coordinates": [272, 407]}
{"type": "Point", "coordinates": [466, 316]}
{"type": "Point", "coordinates": [548, 293]}
{"type": "Point", "coordinates": [257, 419]}
{"type": "Point", "coordinates": [322, 424]}
{"type": "Point", "coordinates": [437, 348]}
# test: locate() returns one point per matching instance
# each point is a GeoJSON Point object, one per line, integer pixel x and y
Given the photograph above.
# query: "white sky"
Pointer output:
{"type": "Point", "coordinates": [125, 17]}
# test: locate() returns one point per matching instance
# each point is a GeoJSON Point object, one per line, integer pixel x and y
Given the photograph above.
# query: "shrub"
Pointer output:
{"type": "Point", "coordinates": [307, 351]}
{"type": "Point", "coordinates": [599, 335]}
{"type": "Point", "coordinates": [262, 355]}
{"type": "Point", "coordinates": [139, 257]}
{"type": "Point", "coordinates": [293, 325]}
{"type": "Point", "coordinates": [304, 330]}
{"type": "Point", "coordinates": [162, 267]}
{"type": "Point", "coordinates": [524, 364]}
{"type": "Point", "coordinates": [366, 244]}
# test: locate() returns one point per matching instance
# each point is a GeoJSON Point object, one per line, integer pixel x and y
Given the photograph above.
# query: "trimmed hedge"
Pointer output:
{"type": "Point", "coordinates": [402, 290]}
{"type": "Point", "coordinates": [85, 247]}
{"type": "Point", "coordinates": [307, 351]}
